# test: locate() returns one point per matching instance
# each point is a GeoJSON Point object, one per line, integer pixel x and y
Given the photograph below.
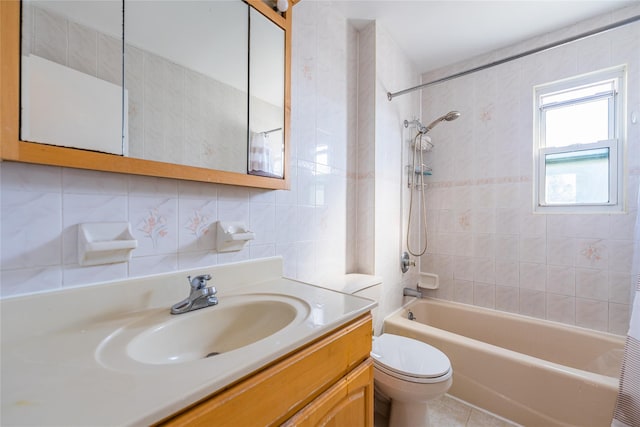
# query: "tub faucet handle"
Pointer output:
{"type": "Point", "coordinates": [406, 262]}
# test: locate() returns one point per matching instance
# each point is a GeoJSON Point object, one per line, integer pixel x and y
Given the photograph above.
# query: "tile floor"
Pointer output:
{"type": "Point", "coordinates": [448, 411]}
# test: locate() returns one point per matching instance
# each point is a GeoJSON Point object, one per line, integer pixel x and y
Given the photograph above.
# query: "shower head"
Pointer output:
{"type": "Point", "coordinates": [450, 116]}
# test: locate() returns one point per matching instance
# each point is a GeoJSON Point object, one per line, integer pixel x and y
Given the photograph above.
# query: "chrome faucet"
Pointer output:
{"type": "Point", "coordinates": [200, 296]}
{"type": "Point", "coordinates": [408, 292]}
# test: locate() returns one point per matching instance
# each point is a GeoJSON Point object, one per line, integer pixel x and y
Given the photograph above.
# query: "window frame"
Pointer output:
{"type": "Point", "coordinates": [615, 141]}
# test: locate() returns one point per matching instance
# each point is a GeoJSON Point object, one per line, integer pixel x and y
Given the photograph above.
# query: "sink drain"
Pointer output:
{"type": "Point", "coordinates": [213, 353]}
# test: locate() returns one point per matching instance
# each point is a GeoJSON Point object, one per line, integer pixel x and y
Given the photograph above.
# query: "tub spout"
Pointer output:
{"type": "Point", "coordinates": [408, 292]}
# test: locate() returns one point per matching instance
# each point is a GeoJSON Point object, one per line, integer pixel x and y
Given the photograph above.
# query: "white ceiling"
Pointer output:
{"type": "Point", "coordinates": [435, 33]}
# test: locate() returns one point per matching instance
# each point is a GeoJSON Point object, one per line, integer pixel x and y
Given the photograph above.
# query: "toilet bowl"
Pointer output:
{"type": "Point", "coordinates": [407, 371]}
{"type": "Point", "coordinates": [410, 373]}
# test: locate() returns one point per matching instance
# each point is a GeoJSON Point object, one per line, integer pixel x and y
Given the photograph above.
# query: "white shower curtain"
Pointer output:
{"type": "Point", "coordinates": [260, 160]}
{"type": "Point", "coordinates": [627, 412]}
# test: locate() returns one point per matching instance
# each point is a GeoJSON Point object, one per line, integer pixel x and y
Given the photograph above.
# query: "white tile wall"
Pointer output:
{"type": "Point", "coordinates": [172, 220]}
{"type": "Point", "coordinates": [574, 269]}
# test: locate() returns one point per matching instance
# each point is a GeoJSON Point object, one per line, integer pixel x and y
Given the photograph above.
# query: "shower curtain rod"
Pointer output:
{"type": "Point", "coordinates": [567, 40]}
{"type": "Point", "coordinates": [267, 132]}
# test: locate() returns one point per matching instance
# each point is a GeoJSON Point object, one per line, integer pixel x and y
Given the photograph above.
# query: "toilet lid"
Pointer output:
{"type": "Point", "coordinates": [409, 357]}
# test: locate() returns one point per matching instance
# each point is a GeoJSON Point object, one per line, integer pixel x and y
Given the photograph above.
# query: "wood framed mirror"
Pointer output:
{"type": "Point", "coordinates": [14, 147]}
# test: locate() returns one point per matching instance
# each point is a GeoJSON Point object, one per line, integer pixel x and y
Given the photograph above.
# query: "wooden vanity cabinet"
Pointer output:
{"type": "Point", "coordinates": [328, 382]}
{"type": "Point", "coordinates": [346, 403]}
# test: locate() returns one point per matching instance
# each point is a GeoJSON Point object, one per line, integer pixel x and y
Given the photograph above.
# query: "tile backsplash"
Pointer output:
{"type": "Point", "coordinates": [173, 222]}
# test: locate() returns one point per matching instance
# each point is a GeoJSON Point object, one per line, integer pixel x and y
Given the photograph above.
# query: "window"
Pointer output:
{"type": "Point", "coordinates": [578, 143]}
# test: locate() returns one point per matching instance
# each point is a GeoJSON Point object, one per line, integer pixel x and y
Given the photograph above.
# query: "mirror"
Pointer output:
{"type": "Point", "coordinates": [72, 57]}
{"type": "Point", "coordinates": [179, 113]}
{"type": "Point", "coordinates": [266, 103]}
{"type": "Point", "coordinates": [186, 73]}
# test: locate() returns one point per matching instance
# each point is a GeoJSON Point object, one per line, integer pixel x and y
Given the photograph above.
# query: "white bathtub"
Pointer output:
{"type": "Point", "coordinates": [531, 371]}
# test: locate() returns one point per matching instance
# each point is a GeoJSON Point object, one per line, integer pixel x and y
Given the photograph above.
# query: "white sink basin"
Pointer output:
{"type": "Point", "coordinates": [211, 331]}
{"type": "Point", "coordinates": [159, 338]}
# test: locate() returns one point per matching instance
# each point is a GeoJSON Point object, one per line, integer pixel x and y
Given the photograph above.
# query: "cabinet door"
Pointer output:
{"type": "Point", "coordinates": [280, 391]}
{"type": "Point", "coordinates": [349, 402]}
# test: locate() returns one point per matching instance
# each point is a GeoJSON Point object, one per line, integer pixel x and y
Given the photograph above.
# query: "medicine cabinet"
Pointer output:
{"type": "Point", "coordinates": [194, 90]}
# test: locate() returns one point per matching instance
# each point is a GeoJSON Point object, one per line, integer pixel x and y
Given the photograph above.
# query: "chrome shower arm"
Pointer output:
{"type": "Point", "coordinates": [416, 122]}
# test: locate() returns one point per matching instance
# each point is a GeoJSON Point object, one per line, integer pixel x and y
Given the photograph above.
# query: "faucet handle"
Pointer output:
{"type": "Point", "coordinates": [199, 282]}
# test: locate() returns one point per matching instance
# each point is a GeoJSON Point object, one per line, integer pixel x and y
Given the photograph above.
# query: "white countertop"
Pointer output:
{"type": "Point", "coordinates": [58, 363]}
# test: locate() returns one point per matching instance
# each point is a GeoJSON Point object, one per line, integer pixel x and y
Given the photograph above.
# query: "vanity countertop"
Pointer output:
{"type": "Point", "coordinates": [62, 363]}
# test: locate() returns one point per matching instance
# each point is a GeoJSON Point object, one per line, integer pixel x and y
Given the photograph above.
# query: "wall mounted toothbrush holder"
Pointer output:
{"type": "Point", "coordinates": [105, 243]}
{"type": "Point", "coordinates": [232, 236]}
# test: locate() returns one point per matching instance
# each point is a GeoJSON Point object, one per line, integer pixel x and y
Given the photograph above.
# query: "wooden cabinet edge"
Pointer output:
{"type": "Point", "coordinates": [37, 153]}
{"type": "Point", "coordinates": [351, 343]}
{"type": "Point", "coordinates": [9, 77]}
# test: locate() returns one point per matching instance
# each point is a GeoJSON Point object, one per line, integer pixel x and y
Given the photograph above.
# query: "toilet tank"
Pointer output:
{"type": "Point", "coordinates": [362, 285]}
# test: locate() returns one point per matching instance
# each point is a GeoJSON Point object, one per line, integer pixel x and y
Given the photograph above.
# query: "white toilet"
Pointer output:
{"type": "Point", "coordinates": [407, 371]}
{"type": "Point", "coordinates": [410, 373]}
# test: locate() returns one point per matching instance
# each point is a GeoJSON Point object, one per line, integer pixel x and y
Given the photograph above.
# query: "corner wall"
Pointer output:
{"type": "Point", "coordinates": [381, 195]}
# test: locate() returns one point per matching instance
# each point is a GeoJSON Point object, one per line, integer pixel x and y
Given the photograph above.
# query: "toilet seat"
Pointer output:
{"type": "Point", "coordinates": [409, 359]}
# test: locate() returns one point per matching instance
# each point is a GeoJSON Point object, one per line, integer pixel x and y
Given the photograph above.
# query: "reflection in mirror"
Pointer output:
{"type": "Point", "coordinates": [266, 101]}
{"type": "Point", "coordinates": [72, 57]}
{"type": "Point", "coordinates": [186, 73]}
